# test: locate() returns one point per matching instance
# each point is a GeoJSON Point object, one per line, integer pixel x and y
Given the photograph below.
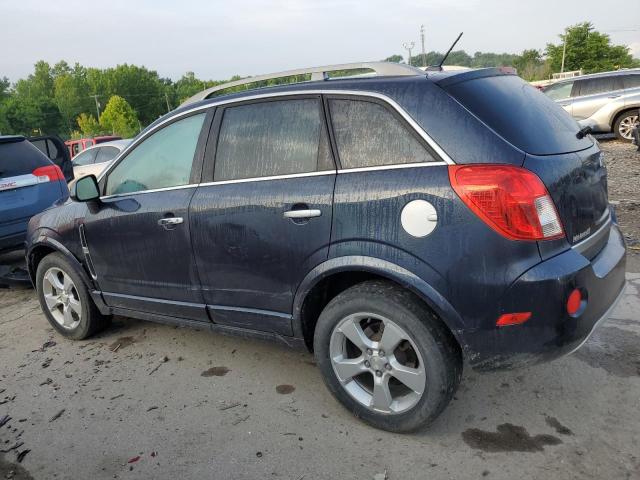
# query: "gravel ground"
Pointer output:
{"type": "Point", "coordinates": [623, 165]}
{"type": "Point", "coordinates": [151, 401]}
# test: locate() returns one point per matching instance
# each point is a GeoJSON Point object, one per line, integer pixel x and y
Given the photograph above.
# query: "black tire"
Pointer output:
{"type": "Point", "coordinates": [91, 320]}
{"type": "Point", "coordinates": [438, 348]}
{"type": "Point", "coordinates": [616, 125]}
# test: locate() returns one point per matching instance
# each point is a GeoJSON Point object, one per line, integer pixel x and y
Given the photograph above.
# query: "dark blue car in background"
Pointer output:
{"type": "Point", "coordinates": [398, 226]}
{"type": "Point", "coordinates": [29, 183]}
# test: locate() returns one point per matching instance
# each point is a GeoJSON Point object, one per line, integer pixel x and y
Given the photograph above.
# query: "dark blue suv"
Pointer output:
{"type": "Point", "coordinates": [397, 226]}
{"type": "Point", "coordinates": [29, 183]}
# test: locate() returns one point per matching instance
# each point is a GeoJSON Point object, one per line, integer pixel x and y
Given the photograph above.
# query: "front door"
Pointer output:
{"type": "Point", "coordinates": [138, 235]}
{"type": "Point", "coordinates": [264, 220]}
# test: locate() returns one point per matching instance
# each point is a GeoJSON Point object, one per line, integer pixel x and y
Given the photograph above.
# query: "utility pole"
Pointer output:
{"type": "Point", "coordinates": [166, 97]}
{"type": "Point", "coordinates": [564, 50]}
{"type": "Point", "coordinates": [409, 46]}
{"type": "Point", "coordinates": [424, 54]}
{"type": "Point", "coordinates": [95, 97]}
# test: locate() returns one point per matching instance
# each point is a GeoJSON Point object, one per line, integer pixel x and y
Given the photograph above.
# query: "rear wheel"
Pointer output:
{"type": "Point", "coordinates": [624, 124]}
{"type": "Point", "coordinates": [65, 300]}
{"type": "Point", "coordinates": [386, 357]}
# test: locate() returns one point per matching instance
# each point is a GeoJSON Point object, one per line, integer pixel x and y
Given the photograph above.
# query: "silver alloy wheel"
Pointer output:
{"type": "Point", "coordinates": [626, 126]}
{"type": "Point", "coordinates": [377, 363]}
{"type": "Point", "coordinates": [61, 297]}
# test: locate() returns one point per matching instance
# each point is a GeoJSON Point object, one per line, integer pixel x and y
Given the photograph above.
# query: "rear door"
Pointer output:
{"type": "Point", "coordinates": [263, 220]}
{"type": "Point", "coordinates": [138, 236]}
{"type": "Point", "coordinates": [595, 93]}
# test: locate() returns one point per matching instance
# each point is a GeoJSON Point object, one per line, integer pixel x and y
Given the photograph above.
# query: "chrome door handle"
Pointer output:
{"type": "Point", "coordinates": [302, 213]}
{"type": "Point", "coordinates": [170, 222]}
{"type": "Point", "coordinates": [614, 96]}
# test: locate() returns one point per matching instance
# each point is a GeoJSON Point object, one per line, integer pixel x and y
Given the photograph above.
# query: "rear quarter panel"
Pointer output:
{"type": "Point", "coordinates": [462, 259]}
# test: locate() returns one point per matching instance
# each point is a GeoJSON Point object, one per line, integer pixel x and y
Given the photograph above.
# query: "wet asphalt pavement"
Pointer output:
{"type": "Point", "coordinates": [151, 401]}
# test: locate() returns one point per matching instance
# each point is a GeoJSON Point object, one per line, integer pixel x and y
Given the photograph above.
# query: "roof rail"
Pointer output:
{"type": "Point", "coordinates": [317, 73]}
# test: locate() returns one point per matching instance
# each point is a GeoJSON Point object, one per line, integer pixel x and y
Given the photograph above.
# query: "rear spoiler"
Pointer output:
{"type": "Point", "coordinates": [446, 79]}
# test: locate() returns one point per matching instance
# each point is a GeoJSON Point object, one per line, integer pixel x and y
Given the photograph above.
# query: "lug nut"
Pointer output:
{"type": "Point", "coordinates": [367, 364]}
{"type": "Point", "coordinates": [378, 373]}
{"type": "Point", "coordinates": [381, 353]}
{"type": "Point", "coordinates": [387, 366]}
{"type": "Point", "coordinates": [369, 351]}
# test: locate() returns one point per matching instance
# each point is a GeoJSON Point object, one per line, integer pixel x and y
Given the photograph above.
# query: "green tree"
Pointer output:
{"type": "Point", "coordinates": [88, 125]}
{"type": "Point", "coordinates": [119, 118]}
{"type": "Point", "coordinates": [587, 49]}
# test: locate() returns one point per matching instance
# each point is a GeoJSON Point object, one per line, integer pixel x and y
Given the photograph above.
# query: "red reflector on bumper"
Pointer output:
{"type": "Point", "coordinates": [513, 319]}
{"type": "Point", "coordinates": [574, 302]}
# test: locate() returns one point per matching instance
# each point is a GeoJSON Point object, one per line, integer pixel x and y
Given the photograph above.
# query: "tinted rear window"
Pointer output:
{"type": "Point", "coordinates": [20, 158]}
{"type": "Point", "coordinates": [519, 113]}
{"type": "Point", "coordinates": [369, 135]}
{"type": "Point", "coordinates": [594, 86]}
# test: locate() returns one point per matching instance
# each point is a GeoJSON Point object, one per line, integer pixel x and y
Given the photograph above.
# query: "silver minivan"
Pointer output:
{"type": "Point", "coordinates": [607, 102]}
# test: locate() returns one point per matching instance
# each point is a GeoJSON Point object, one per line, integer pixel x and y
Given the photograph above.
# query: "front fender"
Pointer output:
{"type": "Point", "coordinates": [436, 301]}
{"type": "Point", "coordinates": [45, 237]}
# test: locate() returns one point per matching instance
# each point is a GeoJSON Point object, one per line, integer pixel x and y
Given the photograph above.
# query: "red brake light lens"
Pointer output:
{"type": "Point", "coordinates": [511, 200]}
{"type": "Point", "coordinates": [50, 173]}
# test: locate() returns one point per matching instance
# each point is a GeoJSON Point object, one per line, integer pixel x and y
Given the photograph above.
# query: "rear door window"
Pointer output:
{"type": "Point", "coordinates": [272, 138]}
{"type": "Point", "coordinates": [595, 86]}
{"type": "Point", "coordinates": [369, 135]}
{"type": "Point", "coordinates": [106, 153]}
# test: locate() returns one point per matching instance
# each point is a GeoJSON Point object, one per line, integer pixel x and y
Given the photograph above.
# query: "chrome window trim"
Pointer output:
{"type": "Point", "coordinates": [272, 177]}
{"type": "Point", "coordinates": [355, 93]}
{"type": "Point", "coordinates": [392, 167]}
{"type": "Point", "coordinates": [155, 190]}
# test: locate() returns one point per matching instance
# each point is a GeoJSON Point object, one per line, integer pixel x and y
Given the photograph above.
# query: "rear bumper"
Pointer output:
{"type": "Point", "coordinates": [543, 290]}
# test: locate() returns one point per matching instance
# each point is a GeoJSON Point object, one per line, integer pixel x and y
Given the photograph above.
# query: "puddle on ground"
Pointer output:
{"type": "Point", "coordinates": [615, 350]}
{"type": "Point", "coordinates": [559, 428]}
{"type": "Point", "coordinates": [122, 342]}
{"type": "Point", "coordinates": [215, 372]}
{"type": "Point", "coordinates": [507, 438]}
{"type": "Point", "coordinates": [285, 389]}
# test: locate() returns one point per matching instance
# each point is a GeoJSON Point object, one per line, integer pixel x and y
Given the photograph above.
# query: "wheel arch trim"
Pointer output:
{"type": "Point", "coordinates": [405, 278]}
{"type": "Point", "coordinates": [42, 240]}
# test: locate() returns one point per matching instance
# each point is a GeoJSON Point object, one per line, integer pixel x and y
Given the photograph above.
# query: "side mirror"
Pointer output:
{"type": "Point", "coordinates": [85, 189]}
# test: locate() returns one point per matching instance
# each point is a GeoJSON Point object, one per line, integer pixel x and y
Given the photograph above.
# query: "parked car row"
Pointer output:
{"type": "Point", "coordinates": [606, 102]}
{"type": "Point", "coordinates": [347, 216]}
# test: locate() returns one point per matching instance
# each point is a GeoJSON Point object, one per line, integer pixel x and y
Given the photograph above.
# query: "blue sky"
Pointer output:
{"type": "Point", "coordinates": [217, 39]}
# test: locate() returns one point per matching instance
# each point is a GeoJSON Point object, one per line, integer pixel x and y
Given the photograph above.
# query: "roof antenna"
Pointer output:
{"type": "Point", "coordinates": [438, 68]}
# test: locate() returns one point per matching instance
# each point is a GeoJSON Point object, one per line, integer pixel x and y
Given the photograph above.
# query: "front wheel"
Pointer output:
{"type": "Point", "coordinates": [65, 300]}
{"type": "Point", "coordinates": [386, 357]}
{"type": "Point", "coordinates": [624, 124]}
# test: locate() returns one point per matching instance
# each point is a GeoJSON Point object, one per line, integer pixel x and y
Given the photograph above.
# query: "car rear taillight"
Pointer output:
{"type": "Point", "coordinates": [50, 173]}
{"type": "Point", "coordinates": [511, 200]}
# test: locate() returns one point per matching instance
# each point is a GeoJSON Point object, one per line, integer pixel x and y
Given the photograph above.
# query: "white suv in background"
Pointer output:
{"type": "Point", "coordinates": [607, 102]}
